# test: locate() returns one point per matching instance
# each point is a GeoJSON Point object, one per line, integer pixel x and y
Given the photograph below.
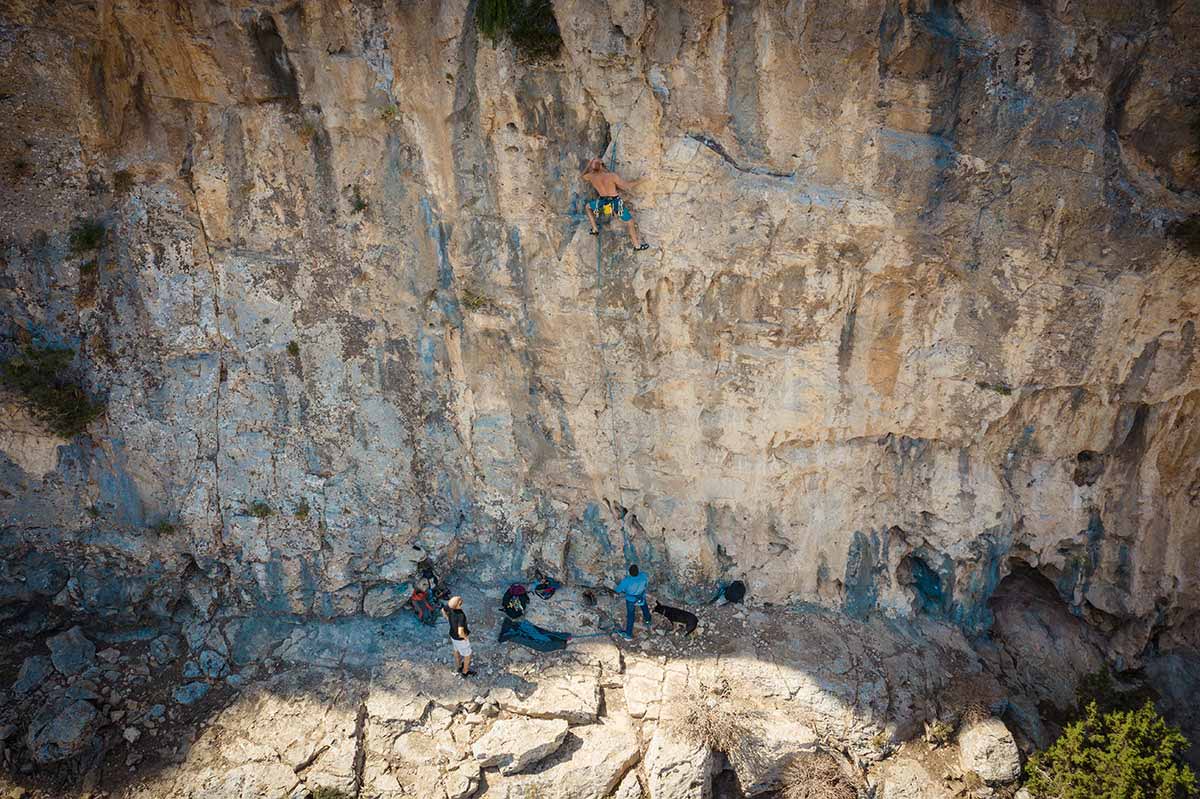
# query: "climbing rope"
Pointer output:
{"type": "Point", "coordinates": [607, 376]}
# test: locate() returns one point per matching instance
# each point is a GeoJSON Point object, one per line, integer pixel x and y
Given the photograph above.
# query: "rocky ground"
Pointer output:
{"type": "Point", "coordinates": [266, 707]}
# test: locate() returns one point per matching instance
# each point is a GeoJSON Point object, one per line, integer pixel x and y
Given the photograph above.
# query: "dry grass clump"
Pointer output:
{"type": "Point", "coordinates": [710, 719]}
{"type": "Point", "coordinates": [973, 713]}
{"type": "Point", "coordinates": [816, 775]}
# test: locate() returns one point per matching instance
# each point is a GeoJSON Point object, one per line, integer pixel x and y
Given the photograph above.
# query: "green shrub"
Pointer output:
{"type": "Point", "coordinates": [1117, 755]}
{"type": "Point", "coordinates": [529, 24]}
{"type": "Point", "coordinates": [42, 376]}
{"type": "Point", "coordinates": [163, 527]}
{"type": "Point", "coordinates": [358, 203]}
{"type": "Point", "coordinates": [999, 388]}
{"type": "Point", "coordinates": [122, 181]}
{"type": "Point", "coordinates": [1186, 233]}
{"type": "Point", "coordinates": [389, 113]}
{"type": "Point", "coordinates": [474, 301]}
{"type": "Point", "coordinates": [259, 509]}
{"type": "Point", "coordinates": [86, 235]}
{"type": "Point", "coordinates": [302, 510]}
{"type": "Point", "coordinates": [293, 349]}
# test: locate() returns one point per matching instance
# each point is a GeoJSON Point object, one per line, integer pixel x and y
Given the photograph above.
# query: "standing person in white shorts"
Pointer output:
{"type": "Point", "coordinates": [460, 636]}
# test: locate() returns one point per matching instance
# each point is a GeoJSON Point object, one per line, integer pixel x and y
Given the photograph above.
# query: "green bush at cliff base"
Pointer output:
{"type": "Point", "coordinates": [42, 377]}
{"type": "Point", "coordinates": [1123, 754]}
{"type": "Point", "coordinates": [529, 24]}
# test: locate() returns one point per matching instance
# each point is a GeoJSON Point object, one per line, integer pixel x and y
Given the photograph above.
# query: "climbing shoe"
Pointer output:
{"type": "Point", "coordinates": [594, 232]}
{"type": "Point", "coordinates": [466, 674]}
{"type": "Point", "coordinates": [644, 246]}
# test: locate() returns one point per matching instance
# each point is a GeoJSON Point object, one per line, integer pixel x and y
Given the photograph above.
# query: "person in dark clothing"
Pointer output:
{"type": "Point", "coordinates": [633, 588]}
{"type": "Point", "coordinates": [460, 636]}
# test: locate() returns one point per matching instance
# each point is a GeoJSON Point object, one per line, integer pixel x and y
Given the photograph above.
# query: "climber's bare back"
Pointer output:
{"type": "Point", "coordinates": [606, 184]}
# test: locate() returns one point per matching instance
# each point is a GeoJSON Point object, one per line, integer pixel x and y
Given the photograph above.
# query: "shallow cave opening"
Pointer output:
{"type": "Point", "coordinates": [930, 592]}
{"type": "Point", "coordinates": [1089, 465]}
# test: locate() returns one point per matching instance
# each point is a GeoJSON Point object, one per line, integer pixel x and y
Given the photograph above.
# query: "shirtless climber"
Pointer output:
{"type": "Point", "coordinates": [609, 186]}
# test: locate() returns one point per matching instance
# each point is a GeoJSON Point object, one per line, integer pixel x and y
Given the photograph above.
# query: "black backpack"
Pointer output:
{"type": "Point", "coordinates": [514, 601]}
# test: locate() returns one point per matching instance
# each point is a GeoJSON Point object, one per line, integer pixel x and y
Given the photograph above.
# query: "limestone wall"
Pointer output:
{"type": "Point", "coordinates": [909, 316]}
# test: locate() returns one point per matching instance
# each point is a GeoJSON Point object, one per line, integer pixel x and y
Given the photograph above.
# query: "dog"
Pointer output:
{"type": "Point", "coordinates": [677, 616]}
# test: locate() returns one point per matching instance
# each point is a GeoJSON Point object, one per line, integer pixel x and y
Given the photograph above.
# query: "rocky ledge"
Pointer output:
{"type": "Point", "coordinates": [373, 708]}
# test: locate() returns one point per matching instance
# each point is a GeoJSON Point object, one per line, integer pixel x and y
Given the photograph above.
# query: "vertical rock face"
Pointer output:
{"type": "Point", "coordinates": [909, 319]}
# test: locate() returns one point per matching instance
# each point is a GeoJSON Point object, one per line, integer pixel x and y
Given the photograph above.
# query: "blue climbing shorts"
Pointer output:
{"type": "Point", "coordinates": [608, 206]}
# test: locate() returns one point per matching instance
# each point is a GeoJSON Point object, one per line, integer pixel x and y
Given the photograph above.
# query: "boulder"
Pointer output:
{"type": "Point", "coordinates": [213, 665]}
{"type": "Point", "coordinates": [33, 673]}
{"type": "Point", "coordinates": [987, 748]}
{"type": "Point", "coordinates": [71, 652]}
{"type": "Point", "coordinates": [569, 692]}
{"type": "Point", "coordinates": [603, 756]}
{"type": "Point", "coordinates": [643, 680]}
{"type": "Point", "coordinates": [403, 566]}
{"type": "Point", "coordinates": [165, 648]}
{"type": "Point", "coordinates": [384, 600]}
{"type": "Point", "coordinates": [677, 769]}
{"type": "Point", "coordinates": [61, 728]}
{"type": "Point", "coordinates": [515, 744]}
{"type": "Point", "coordinates": [907, 778]}
{"type": "Point", "coordinates": [461, 782]}
{"type": "Point", "coordinates": [780, 739]}
{"type": "Point", "coordinates": [190, 693]}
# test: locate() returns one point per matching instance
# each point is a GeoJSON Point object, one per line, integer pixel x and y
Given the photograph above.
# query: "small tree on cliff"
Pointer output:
{"type": "Point", "coordinates": [1122, 754]}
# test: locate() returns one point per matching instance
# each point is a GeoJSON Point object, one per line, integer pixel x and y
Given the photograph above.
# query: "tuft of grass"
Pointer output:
{"type": "Point", "coordinates": [307, 131]}
{"type": "Point", "coordinates": [358, 203]}
{"type": "Point", "coordinates": [999, 388]}
{"type": "Point", "coordinates": [389, 113]}
{"type": "Point", "coordinates": [259, 509]}
{"type": "Point", "coordinates": [710, 718]}
{"type": "Point", "coordinates": [293, 349]}
{"type": "Point", "coordinates": [1186, 234]}
{"type": "Point", "coordinates": [302, 510]}
{"type": "Point", "coordinates": [122, 181]}
{"type": "Point", "coordinates": [816, 775]}
{"type": "Point", "coordinates": [42, 376]}
{"type": "Point", "coordinates": [973, 713]}
{"type": "Point", "coordinates": [93, 511]}
{"type": "Point", "coordinates": [880, 740]}
{"type": "Point", "coordinates": [163, 527]}
{"type": "Point", "coordinates": [938, 732]}
{"type": "Point", "coordinates": [474, 301]}
{"type": "Point", "coordinates": [86, 235]}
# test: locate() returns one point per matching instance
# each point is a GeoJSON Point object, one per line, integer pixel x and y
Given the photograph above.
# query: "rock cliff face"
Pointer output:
{"type": "Point", "coordinates": [910, 321]}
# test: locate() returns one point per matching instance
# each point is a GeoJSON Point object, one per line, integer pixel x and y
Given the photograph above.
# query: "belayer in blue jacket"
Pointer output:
{"type": "Point", "coordinates": [633, 588]}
